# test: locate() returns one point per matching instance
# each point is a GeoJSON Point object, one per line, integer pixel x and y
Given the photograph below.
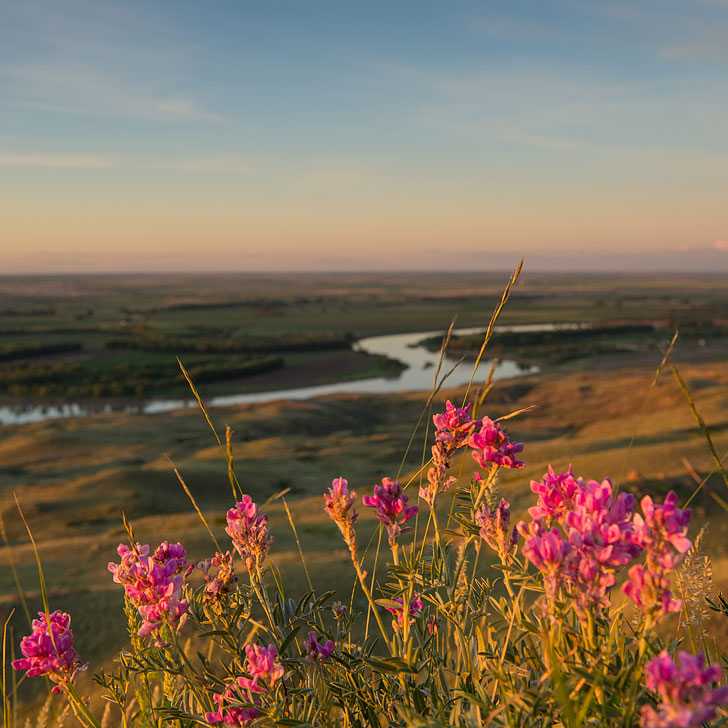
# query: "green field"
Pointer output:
{"type": "Point", "coordinates": [75, 477]}
{"type": "Point", "coordinates": [121, 334]}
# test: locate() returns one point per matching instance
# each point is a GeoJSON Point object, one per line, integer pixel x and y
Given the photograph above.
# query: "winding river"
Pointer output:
{"type": "Point", "coordinates": [418, 376]}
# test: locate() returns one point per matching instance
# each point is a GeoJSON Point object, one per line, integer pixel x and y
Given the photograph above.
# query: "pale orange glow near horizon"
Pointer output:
{"type": "Point", "coordinates": [582, 141]}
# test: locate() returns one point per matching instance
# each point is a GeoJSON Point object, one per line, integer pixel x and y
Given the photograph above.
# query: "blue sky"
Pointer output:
{"type": "Point", "coordinates": [322, 135]}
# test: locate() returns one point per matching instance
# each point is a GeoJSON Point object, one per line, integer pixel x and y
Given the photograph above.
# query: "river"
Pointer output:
{"type": "Point", "coordinates": [418, 376]}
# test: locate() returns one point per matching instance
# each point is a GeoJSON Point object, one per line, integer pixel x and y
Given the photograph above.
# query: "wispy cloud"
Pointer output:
{"type": "Point", "coordinates": [223, 164]}
{"type": "Point", "coordinates": [521, 27]}
{"type": "Point", "coordinates": [69, 161]}
{"type": "Point", "coordinates": [711, 46]}
{"type": "Point", "coordinates": [549, 107]}
{"type": "Point", "coordinates": [673, 30]}
{"type": "Point", "coordinates": [96, 58]}
{"type": "Point", "coordinates": [186, 109]}
{"type": "Point", "coordinates": [79, 90]}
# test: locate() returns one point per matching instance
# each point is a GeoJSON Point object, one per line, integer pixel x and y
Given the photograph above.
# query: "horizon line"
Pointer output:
{"type": "Point", "coordinates": [366, 271]}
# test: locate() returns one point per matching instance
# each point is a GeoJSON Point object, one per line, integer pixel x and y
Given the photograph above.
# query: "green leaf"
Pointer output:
{"type": "Point", "coordinates": [390, 664]}
{"type": "Point", "coordinates": [289, 638]}
{"type": "Point", "coordinates": [388, 603]}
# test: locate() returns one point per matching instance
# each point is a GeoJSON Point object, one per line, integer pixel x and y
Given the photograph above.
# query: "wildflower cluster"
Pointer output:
{"type": "Point", "coordinates": [661, 529]}
{"type": "Point", "coordinates": [390, 507]}
{"type": "Point", "coordinates": [265, 671]}
{"type": "Point", "coordinates": [459, 652]}
{"type": "Point", "coordinates": [48, 650]}
{"type": "Point", "coordinates": [452, 429]}
{"type": "Point", "coordinates": [687, 698]}
{"type": "Point", "coordinates": [339, 505]}
{"type": "Point", "coordinates": [592, 536]}
{"type": "Point", "coordinates": [237, 704]}
{"type": "Point", "coordinates": [223, 583]}
{"type": "Point", "coordinates": [153, 584]}
{"type": "Point", "coordinates": [490, 444]}
{"type": "Point", "coordinates": [315, 651]}
{"type": "Point", "coordinates": [249, 531]}
{"type": "Point", "coordinates": [495, 528]}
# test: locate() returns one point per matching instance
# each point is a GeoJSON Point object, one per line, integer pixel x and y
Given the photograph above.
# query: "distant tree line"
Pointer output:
{"type": "Point", "coordinates": [37, 311]}
{"type": "Point", "coordinates": [540, 338]}
{"type": "Point", "coordinates": [35, 330]}
{"type": "Point", "coordinates": [152, 341]}
{"type": "Point", "coordinates": [553, 347]}
{"type": "Point", "coordinates": [125, 379]}
{"type": "Point", "coordinates": [10, 352]}
{"type": "Point", "coordinates": [254, 303]}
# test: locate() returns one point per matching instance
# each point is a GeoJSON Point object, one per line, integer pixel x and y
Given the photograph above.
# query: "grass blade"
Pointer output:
{"type": "Point", "coordinates": [225, 451]}
{"type": "Point", "coordinates": [504, 299]}
{"type": "Point", "coordinates": [701, 423]}
{"type": "Point", "coordinates": [194, 503]}
{"type": "Point", "coordinates": [6, 700]}
{"type": "Point", "coordinates": [641, 417]}
{"type": "Point", "coordinates": [298, 543]}
{"type": "Point", "coordinates": [16, 577]}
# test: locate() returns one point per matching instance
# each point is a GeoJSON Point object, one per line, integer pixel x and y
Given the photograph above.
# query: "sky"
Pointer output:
{"type": "Point", "coordinates": [408, 134]}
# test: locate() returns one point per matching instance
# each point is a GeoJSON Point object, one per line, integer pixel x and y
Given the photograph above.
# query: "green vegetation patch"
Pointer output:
{"type": "Point", "coordinates": [123, 379]}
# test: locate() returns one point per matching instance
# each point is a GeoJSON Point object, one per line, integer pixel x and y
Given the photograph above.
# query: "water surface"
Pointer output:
{"type": "Point", "coordinates": [418, 376]}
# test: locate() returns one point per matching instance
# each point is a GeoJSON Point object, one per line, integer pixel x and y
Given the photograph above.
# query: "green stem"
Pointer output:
{"type": "Point", "coordinates": [256, 581]}
{"type": "Point", "coordinates": [372, 605]}
{"type": "Point", "coordinates": [435, 524]}
{"type": "Point", "coordinates": [77, 702]}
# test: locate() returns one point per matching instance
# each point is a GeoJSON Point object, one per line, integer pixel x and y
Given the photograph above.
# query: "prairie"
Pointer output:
{"type": "Point", "coordinates": [600, 413]}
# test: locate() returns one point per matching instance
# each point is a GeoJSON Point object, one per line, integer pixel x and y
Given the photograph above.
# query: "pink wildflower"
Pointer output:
{"type": "Point", "coordinates": [490, 444]}
{"type": "Point", "coordinates": [549, 552]}
{"type": "Point", "coordinates": [225, 580]}
{"type": "Point", "coordinates": [230, 713]}
{"type": "Point", "coordinates": [154, 584]}
{"type": "Point", "coordinates": [165, 552]}
{"type": "Point", "coordinates": [650, 591]}
{"type": "Point", "coordinates": [339, 610]}
{"type": "Point", "coordinates": [249, 532]}
{"type": "Point", "coordinates": [663, 526]}
{"type": "Point", "coordinates": [453, 427]}
{"type": "Point", "coordinates": [415, 609]}
{"type": "Point", "coordinates": [390, 503]}
{"type": "Point", "coordinates": [555, 494]}
{"type": "Point", "coordinates": [495, 528]}
{"type": "Point", "coordinates": [686, 697]}
{"type": "Point", "coordinates": [262, 663]}
{"type": "Point", "coordinates": [263, 667]}
{"type": "Point", "coordinates": [339, 501]}
{"type": "Point", "coordinates": [339, 504]}
{"type": "Point", "coordinates": [545, 549]}
{"type": "Point", "coordinates": [48, 650]}
{"type": "Point", "coordinates": [598, 528]}
{"type": "Point", "coordinates": [315, 651]}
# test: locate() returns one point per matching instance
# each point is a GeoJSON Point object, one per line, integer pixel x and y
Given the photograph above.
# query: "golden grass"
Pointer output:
{"type": "Point", "coordinates": [74, 481]}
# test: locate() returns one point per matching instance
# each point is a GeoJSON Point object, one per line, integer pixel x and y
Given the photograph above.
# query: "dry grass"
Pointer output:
{"type": "Point", "coordinates": [75, 479]}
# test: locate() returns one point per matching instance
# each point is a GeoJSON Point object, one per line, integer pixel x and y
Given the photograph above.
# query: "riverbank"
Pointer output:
{"type": "Point", "coordinates": [396, 363]}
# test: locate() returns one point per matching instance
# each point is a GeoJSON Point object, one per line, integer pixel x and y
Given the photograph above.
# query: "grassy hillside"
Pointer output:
{"type": "Point", "coordinates": [594, 409]}
{"type": "Point", "coordinates": [75, 478]}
